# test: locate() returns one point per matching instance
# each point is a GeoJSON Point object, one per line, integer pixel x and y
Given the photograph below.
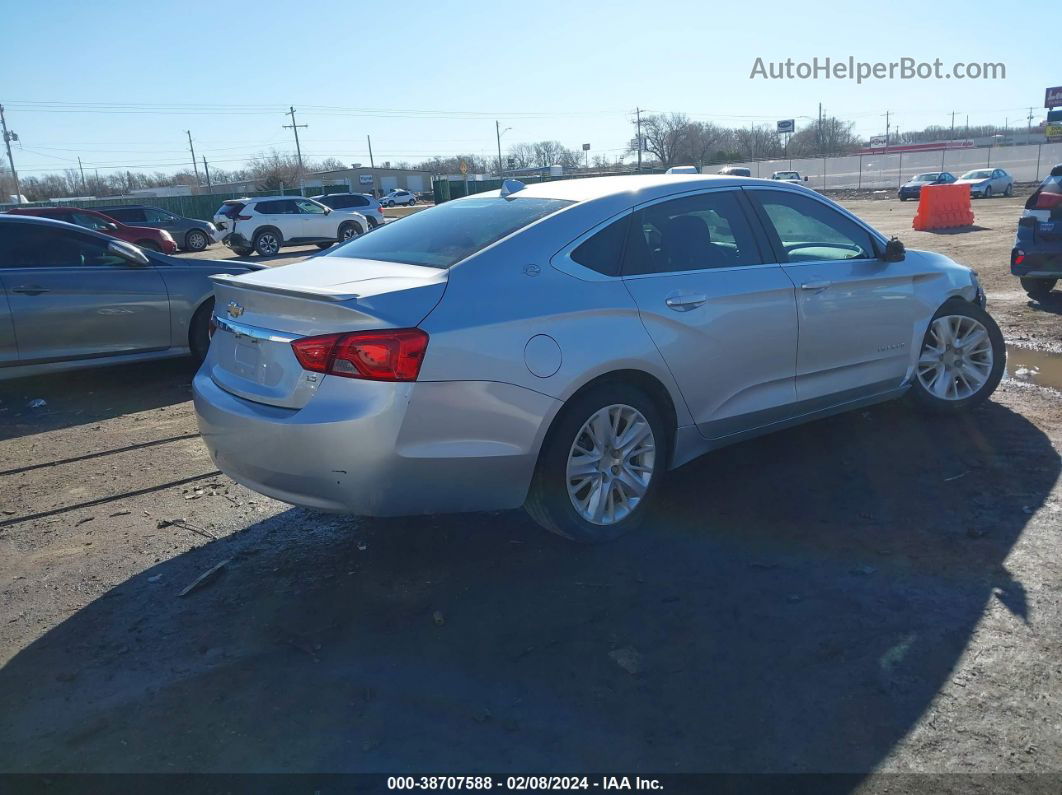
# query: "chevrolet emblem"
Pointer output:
{"type": "Point", "coordinates": [234, 309]}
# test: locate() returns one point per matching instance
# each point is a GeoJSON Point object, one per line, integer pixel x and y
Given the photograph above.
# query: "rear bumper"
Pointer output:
{"type": "Point", "coordinates": [1047, 265]}
{"type": "Point", "coordinates": [381, 449]}
{"type": "Point", "coordinates": [169, 246]}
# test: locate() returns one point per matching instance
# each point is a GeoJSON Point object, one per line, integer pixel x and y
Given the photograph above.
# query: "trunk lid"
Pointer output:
{"type": "Point", "coordinates": [259, 314]}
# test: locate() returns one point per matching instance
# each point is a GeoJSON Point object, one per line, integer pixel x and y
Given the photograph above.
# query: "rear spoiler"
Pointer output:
{"type": "Point", "coordinates": [321, 294]}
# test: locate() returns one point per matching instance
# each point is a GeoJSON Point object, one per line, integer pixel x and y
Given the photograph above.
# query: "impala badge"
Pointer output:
{"type": "Point", "coordinates": [234, 309]}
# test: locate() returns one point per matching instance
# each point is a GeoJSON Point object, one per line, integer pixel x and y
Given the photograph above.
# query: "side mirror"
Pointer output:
{"type": "Point", "coordinates": [128, 252]}
{"type": "Point", "coordinates": [894, 251]}
{"type": "Point", "coordinates": [805, 179]}
{"type": "Point", "coordinates": [328, 210]}
{"type": "Point", "coordinates": [111, 226]}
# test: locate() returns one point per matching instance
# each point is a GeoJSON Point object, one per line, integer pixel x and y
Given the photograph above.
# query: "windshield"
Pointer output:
{"type": "Point", "coordinates": [976, 175]}
{"type": "Point", "coordinates": [925, 178]}
{"type": "Point", "coordinates": [443, 236]}
{"type": "Point", "coordinates": [787, 175]}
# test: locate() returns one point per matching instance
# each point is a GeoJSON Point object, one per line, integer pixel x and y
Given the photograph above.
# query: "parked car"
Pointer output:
{"type": "Point", "coordinates": [190, 234]}
{"type": "Point", "coordinates": [268, 223]}
{"type": "Point", "coordinates": [735, 171]}
{"type": "Point", "coordinates": [1037, 255]}
{"type": "Point", "coordinates": [143, 236]}
{"type": "Point", "coordinates": [789, 176]}
{"type": "Point", "coordinates": [659, 317]}
{"type": "Point", "coordinates": [988, 182]}
{"type": "Point", "coordinates": [912, 189]}
{"type": "Point", "coordinates": [78, 298]}
{"type": "Point", "coordinates": [355, 202]}
{"type": "Point", "coordinates": [398, 196]}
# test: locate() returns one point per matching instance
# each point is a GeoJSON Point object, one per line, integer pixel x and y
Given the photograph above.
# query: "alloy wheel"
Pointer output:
{"type": "Point", "coordinates": [268, 244]}
{"type": "Point", "coordinates": [197, 241]}
{"type": "Point", "coordinates": [610, 464]}
{"type": "Point", "coordinates": [956, 359]}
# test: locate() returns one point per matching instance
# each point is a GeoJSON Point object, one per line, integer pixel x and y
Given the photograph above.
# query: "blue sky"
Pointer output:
{"type": "Point", "coordinates": [571, 71]}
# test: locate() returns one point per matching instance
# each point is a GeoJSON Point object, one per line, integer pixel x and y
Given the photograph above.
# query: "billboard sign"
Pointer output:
{"type": "Point", "coordinates": [364, 179]}
{"type": "Point", "coordinates": [1053, 97]}
{"type": "Point", "coordinates": [879, 142]}
{"type": "Point", "coordinates": [786, 125]}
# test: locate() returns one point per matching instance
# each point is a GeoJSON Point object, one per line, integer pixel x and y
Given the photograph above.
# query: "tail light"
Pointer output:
{"type": "Point", "coordinates": [386, 355]}
{"type": "Point", "coordinates": [243, 217]}
{"type": "Point", "coordinates": [1048, 201]}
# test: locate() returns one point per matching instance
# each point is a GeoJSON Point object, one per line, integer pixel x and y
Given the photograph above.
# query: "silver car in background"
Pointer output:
{"type": "Point", "coordinates": [561, 346]}
{"type": "Point", "coordinates": [73, 298]}
{"type": "Point", "coordinates": [987, 182]}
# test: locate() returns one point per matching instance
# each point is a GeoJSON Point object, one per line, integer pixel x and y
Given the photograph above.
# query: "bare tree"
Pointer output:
{"type": "Point", "coordinates": [665, 134]}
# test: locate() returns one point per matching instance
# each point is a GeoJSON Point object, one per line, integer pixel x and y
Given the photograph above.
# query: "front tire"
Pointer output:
{"type": "Point", "coordinates": [1038, 289]}
{"type": "Point", "coordinates": [1009, 191]}
{"type": "Point", "coordinates": [412, 202]}
{"type": "Point", "coordinates": [348, 230]}
{"type": "Point", "coordinates": [391, 203]}
{"type": "Point", "coordinates": [987, 193]}
{"type": "Point", "coordinates": [961, 361]}
{"type": "Point", "coordinates": [601, 465]}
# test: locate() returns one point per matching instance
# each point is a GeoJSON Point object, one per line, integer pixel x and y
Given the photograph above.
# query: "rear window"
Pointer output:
{"type": "Point", "coordinates": [230, 210]}
{"type": "Point", "coordinates": [443, 236]}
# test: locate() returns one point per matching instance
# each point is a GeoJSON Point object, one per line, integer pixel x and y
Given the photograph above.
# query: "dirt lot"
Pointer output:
{"type": "Point", "coordinates": [873, 592]}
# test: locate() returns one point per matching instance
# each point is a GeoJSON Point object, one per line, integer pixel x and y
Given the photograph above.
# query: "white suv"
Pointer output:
{"type": "Point", "coordinates": [398, 196]}
{"type": "Point", "coordinates": [266, 223]}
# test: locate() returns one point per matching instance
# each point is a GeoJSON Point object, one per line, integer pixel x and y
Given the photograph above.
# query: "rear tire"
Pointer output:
{"type": "Point", "coordinates": [199, 331]}
{"type": "Point", "coordinates": [961, 360]}
{"type": "Point", "coordinates": [267, 243]}
{"type": "Point", "coordinates": [1038, 289]}
{"type": "Point", "coordinates": [903, 198]}
{"type": "Point", "coordinates": [605, 457]}
{"type": "Point", "coordinates": [196, 240]}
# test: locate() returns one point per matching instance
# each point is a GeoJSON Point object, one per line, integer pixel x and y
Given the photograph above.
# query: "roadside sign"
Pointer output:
{"type": "Point", "coordinates": [1053, 133]}
{"type": "Point", "coordinates": [879, 141]}
{"type": "Point", "coordinates": [1053, 97]}
{"type": "Point", "coordinates": [586, 147]}
{"type": "Point", "coordinates": [364, 179]}
{"type": "Point", "coordinates": [786, 125]}
{"type": "Point", "coordinates": [464, 167]}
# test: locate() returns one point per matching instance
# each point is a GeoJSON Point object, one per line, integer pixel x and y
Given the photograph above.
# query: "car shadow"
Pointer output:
{"type": "Point", "coordinates": [795, 605]}
{"type": "Point", "coordinates": [959, 230]}
{"type": "Point", "coordinates": [87, 396]}
{"type": "Point", "coordinates": [1052, 304]}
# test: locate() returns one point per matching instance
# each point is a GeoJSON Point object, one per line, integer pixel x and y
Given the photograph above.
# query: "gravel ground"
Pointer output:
{"type": "Point", "coordinates": [873, 592]}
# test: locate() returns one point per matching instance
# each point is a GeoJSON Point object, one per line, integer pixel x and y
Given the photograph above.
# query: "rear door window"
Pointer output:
{"type": "Point", "coordinates": [127, 215]}
{"type": "Point", "coordinates": [707, 230]}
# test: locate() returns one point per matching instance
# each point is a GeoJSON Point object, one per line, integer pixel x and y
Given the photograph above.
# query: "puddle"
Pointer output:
{"type": "Point", "coordinates": [1035, 367]}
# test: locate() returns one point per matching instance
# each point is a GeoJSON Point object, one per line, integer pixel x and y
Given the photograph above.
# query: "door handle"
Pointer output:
{"type": "Point", "coordinates": [815, 285]}
{"type": "Point", "coordinates": [29, 289]}
{"type": "Point", "coordinates": [684, 303]}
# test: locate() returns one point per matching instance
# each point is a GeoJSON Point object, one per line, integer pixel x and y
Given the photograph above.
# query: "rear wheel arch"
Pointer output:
{"type": "Point", "coordinates": [267, 228]}
{"type": "Point", "coordinates": [652, 386]}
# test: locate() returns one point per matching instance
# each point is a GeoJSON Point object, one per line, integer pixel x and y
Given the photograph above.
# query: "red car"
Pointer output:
{"type": "Point", "coordinates": [143, 236]}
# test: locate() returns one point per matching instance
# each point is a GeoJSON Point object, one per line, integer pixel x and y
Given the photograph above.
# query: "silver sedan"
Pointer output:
{"type": "Point", "coordinates": [562, 346]}
{"type": "Point", "coordinates": [73, 298]}
{"type": "Point", "coordinates": [987, 182]}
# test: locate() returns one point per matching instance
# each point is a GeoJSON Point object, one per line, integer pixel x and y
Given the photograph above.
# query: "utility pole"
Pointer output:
{"type": "Point", "coordinates": [8, 138]}
{"type": "Point", "coordinates": [194, 166]}
{"type": "Point", "coordinates": [952, 125]}
{"type": "Point", "coordinates": [1028, 132]}
{"type": "Point", "coordinates": [638, 113]}
{"type": "Point", "coordinates": [206, 169]}
{"type": "Point", "coordinates": [497, 134]}
{"type": "Point", "coordinates": [298, 149]}
{"type": "Point", "coordinates": [886, 131]}
{"type": "Point", "coordinates": [371, 163]}
{"type": "Point", "coordinates": [84, 185]}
